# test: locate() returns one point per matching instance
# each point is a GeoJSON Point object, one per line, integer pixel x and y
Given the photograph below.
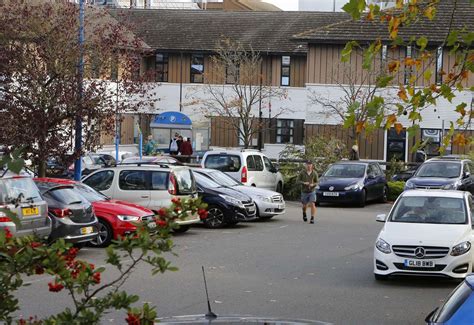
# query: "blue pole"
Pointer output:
{"type": "Point", "coordinates": [140, 148]}
{"type": "Point", "coordinates": [117, 143]}
{"type": "Point", "coordinates": [78, 139]}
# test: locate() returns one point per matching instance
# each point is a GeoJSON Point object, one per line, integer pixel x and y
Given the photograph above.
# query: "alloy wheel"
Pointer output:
{"type": "Point", "coordinates": [215, 218]}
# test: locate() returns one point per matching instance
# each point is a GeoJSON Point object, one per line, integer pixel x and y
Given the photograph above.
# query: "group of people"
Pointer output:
{"type": "Point", "coordinates": [178, 146]}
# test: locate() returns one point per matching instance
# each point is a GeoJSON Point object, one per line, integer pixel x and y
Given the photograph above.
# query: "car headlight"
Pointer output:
{"type": "Point", "coordinates": [383, 246]}
{"type": "Point", "coordinates": [317, 187]}
{"type": "Point", "coordinates": [356, 186]}
{"type": "Point", "coordinates": [409, 185]}
{"type": "Point", "coordinates": [128, 218]}
{"type": "Point", "coordinates": [461, 248]}
{"type": "Point", "coordinates": [451, 186]}
{"type": "Point", "coordinates": [264, 198]}
{"type": "Point", "coordinates": [231, 200]}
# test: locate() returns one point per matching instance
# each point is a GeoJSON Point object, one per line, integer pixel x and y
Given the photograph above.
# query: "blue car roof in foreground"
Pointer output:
{"type": "Point", "coordinates": [470, 281]}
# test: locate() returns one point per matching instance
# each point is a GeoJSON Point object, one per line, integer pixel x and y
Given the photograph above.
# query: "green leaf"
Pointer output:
{"type": "Point", "coordinates": [383, 81]}
{"type": "Point", "coordinates": [347, 50]}
{"type": "Point", "coordinates": [422, 42]}
{"type": "Point", "coordinates": [354, 8]}
{"type": "Point", "coordinates": [452, 38]}
{"type": "Point", "coordinates": [16, 165]}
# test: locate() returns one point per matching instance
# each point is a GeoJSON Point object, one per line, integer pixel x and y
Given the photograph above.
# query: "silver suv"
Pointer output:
{"type": "Point", "coordinates": [21, 196]}
{"type": "Point", "coordinates": [151, 186]}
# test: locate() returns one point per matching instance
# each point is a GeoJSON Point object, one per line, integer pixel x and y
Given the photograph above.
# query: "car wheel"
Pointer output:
{"type": "Point", "coordinates": [384, 198]}
{"type": "Point", "coordinates": [279, 188]}
{"type": "Point", "coordinates": [181, 229]}
{"type": "Point", "coordinates": [215, 218]}
{"type": "Point", "coordinates": [363, 198]}
{"type": "Point", "coordinates": [380, 277]}
{"type": "Point", "coordinates": [105, 235]}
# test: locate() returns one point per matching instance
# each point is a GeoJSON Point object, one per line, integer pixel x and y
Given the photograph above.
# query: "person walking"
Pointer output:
{"type": "Point", "coordinates": [180, 142]}
{"type": "Point", "coordinates": [149, 146]}
{"type": "Point", "coordinates": [174, 146]}
{"type": "Point", "coordinates": [308, 179]}
{"type": "Point", "coordinates": [186, 150]}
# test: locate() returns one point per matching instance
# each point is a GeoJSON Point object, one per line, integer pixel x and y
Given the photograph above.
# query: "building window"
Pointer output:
{"type": "Point", "coordinates": [439, 65]}
{"type": "Point", "coordinates": [197, 68]}
{"type": "Point", "coordinates": [408, 70]}
{"type": "Point", "coordinates": [285, 131]}
{"type": "Point", "coordinates": [396, 145]}
{"type": "Point", "coordinates": [431, 139]}
{"type": "Point", "coordinates": [383, 56]}
{"type": "Point", "coordinates": [285, 70]}
{"type": "Point", "coordinates": [161, 67]}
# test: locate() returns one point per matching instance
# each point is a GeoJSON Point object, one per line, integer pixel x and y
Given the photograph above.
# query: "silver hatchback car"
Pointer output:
{"type": "Point", "coordinates": [21, 196]}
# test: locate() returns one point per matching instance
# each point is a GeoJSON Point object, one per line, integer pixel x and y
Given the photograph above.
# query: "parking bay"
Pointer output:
{"type": "Point", "coordinates": [281, 268]}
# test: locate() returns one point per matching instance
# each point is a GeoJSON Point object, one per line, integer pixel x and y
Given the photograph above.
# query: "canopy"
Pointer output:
{"type": "Point", "coordinates": [171, 120]}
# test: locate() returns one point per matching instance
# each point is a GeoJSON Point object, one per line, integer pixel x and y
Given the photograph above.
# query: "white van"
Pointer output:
{"type": "Point", "coordinates": [250, 167]}
{"type": "Point", "coordinates": [150, 186]}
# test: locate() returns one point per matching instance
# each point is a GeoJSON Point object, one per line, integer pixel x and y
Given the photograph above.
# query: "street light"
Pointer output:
{"type": "Point", "coordinates": [80, 75]}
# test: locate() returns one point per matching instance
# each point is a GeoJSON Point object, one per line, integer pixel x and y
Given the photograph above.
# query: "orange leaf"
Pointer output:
{"type": "Point", "coordinates": [409, 62]}
{"type": "Point", "coordinates": [430, 12]}
{"type": "Point", "coordinates": [391, 119]}
{"type": "Point", "coordinates": [398, 127]}
{"type": "Point", "coordinates": [359, 127]}
{"type": "Point", "coordinates": [460, 140]}
{"type": "Point", "coordinates": [393, 66]}
{"type": "Point", "coordinates": [464, 74]}
{"type": "Point", "coordinates": [402, 93]}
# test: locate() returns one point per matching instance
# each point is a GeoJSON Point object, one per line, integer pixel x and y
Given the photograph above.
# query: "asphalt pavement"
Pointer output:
{"type": "Point", "coordinates": [279, 268]}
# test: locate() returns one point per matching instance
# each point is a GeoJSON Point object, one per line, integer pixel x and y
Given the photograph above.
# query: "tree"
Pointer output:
{"type": "Point", "coordinates": [400, 23]}
{"type": "Point", "coordinates": [245, 92]}
{"type": "Point", "coordinates": [39, 55]}
{"type": "Point", "coordinates": [363, 104]}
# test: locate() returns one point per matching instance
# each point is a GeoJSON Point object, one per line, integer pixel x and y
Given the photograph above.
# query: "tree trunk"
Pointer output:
{"type": "Point", "coordinates": [42, 168]}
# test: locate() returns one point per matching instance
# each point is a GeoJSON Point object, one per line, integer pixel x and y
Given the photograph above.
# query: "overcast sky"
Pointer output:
{"type": "Point", "coordinates": [320, 5]}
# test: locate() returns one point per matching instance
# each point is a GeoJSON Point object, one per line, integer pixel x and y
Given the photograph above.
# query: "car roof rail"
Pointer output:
{"type": "Point", "coordinates": [147, 163]}
{"type": "Point", "coordinates": [448, 157]}
{"type": "Point", "coordinates": [250, 150]}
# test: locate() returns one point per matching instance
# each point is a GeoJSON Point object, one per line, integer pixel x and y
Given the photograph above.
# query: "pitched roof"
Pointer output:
{"type": "Point", "coordinates": [200, 30]}
{"type": "Point", "coordinates": [435, 30]}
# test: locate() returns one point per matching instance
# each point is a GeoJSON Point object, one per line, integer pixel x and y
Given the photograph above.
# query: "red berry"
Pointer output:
{"type": "Point", "coordinates": [202, 213]}
{"type": "Point", "coordinates": [162, 212]}
{"type": "Point", "coordinates": [96, 277]}
{"type": "Point", "coordinates": [55, 287]}
{"type": "Point", "coordinates": [176, 200]}
{"type": "Point", "coordinates": [35, 244]}
{"type": "Point", "coordinates": [162, 223]}
{"type": "Point", "coordinates": [132, 319]}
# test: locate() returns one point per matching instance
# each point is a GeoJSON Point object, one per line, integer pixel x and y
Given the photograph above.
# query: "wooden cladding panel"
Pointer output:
{"type": "Point", "coordinates": [222, 133]}
{"type": "Point", "coordinates": [180, 64]}
{"type": "Point", "coordinates": [298, 71]}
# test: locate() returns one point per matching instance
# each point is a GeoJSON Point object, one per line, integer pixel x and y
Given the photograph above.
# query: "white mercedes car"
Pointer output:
{"type": "Point", "coordinates": [427, 233]}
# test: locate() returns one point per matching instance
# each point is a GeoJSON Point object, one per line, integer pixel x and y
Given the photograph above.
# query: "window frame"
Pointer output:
{"type": "Point", "coordinates": [408, 70]}
{"type": "Point", "coordinates": [290, 127]}
{"type": "Point", "coordinates": [147, 180]}
{"type": "Point", "coordinates": [284, 66]}
{"type": "Point", "coordinates": [167, 178]}
{"type": "Point", "coordinates": [98, 173]}
{"type": "Point", "coordinates": [439, 65]}
{"type": "Point", "coordinates": [193, 75]}
{"type": "Point", "coordinates": [261, 167]}
{"type": "Point", "coordinates": [164, 63]}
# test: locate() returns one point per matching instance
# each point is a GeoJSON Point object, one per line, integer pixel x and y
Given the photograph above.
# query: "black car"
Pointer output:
{"type": "Point", "coordinates": [352, 182]}
{"type": "Point", "coordinates": [225, 205]}
{"type": "Point", "coordinates": [447, 173]}
{"type": "Point", "coordinates": [72, 216]}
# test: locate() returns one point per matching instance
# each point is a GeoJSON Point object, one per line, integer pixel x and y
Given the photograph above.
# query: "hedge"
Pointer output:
{"type": "Point", "coordinates": [395, 189]}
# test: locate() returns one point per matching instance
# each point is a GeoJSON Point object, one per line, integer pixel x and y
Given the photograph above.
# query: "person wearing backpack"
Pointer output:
{"type": "Point", "coordinates": [174, 145]}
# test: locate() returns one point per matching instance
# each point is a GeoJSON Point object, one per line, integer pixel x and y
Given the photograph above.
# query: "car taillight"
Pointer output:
{"type": "Point", "coordinates": [172, 185]}
{"type": "Point", "coordinates": [61, 213]}
{"type": "Point", "coordinates": [4, 218]}
{"type": "Point", "coordinates": [244, 175]}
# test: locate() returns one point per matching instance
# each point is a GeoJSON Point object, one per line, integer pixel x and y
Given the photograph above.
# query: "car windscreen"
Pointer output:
{"type": "Point", "coordinates": [19, 190]}
{"type": "Point", "coordinates": [222, 178]}
{"type": "Point", "coordinates": [224, 163]}
{"type": "Point", "coordinates": [65, 195]}
{"type": "Point", "coordinates": [346, 171]}
{"type": "Point", "coordinates": [452, 304]}
{"type": "Point", "coordinates": [205, 182]}
{"type": "Point", "coordinates": [89, 193]}
{"type": "Point", "coordinates": [439, 169]}
{"type": "Point", "coordinates": [430, 209]}
{"type": "Point", "coordinates": [185, 181]}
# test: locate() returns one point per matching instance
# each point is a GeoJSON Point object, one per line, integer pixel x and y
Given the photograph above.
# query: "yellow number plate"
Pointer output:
{"type": "Point", "coordinates": [30, 211]}
{"type": "Point", "coordinates": [87, 230]}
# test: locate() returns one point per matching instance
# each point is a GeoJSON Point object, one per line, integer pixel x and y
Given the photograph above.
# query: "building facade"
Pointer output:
{"type": "Point", "coordinates": [300, 54]}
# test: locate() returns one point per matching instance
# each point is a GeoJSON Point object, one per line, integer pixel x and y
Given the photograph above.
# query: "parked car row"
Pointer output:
{"type": "Point", "coordinates": [109, 201]}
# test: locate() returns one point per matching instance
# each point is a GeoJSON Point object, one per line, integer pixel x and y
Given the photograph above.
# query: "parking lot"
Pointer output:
{"type": "Point", "coordinates": [280, 268]}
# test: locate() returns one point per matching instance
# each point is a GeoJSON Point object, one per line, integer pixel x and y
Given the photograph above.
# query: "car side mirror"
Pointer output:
{"type": "Point", "coordinates": [199, 190]}
{"type": "Point", "coordinates": [466, 175]}
{"type": "Point", "coordinates": [429, 319]}
{"type": "Point", "coordinates": [371, 176]}
{"type": "Point", "coordinates": [381, 218]}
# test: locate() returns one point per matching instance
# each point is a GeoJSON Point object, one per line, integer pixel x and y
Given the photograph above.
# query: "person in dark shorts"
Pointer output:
{"type": "Point", "coordinates": [308, 179]}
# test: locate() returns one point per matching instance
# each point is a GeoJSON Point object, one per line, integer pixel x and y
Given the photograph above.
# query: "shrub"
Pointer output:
{"type": "Point", "coordinates": [395, 189]}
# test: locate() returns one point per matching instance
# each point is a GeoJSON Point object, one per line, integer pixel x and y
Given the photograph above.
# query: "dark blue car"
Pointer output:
{"type": "Point", "coordinates": [458, 308]}
{"type": "Point", "coordinates": [225, 205]}
{"type": "Point", "coordinates": [352, 182]}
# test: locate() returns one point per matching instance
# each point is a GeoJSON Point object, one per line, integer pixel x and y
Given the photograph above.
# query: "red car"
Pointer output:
{"type": "Point", "coordinates": [115, 217]}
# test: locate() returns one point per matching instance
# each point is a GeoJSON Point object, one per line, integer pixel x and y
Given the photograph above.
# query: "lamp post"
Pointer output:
{"type": "Point", "coordinates": [80, 75]}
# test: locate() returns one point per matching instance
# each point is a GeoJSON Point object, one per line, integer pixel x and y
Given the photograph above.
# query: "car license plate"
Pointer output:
{"type": "Point", "coordinates": [330, 193]}
{"type": "Point", "coordinates": [87, 230]}
{"type": "Point", "coordinates": [419, 263]}
{"type": "Point", "coordinates": [31, 211]}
